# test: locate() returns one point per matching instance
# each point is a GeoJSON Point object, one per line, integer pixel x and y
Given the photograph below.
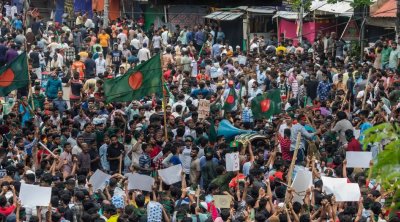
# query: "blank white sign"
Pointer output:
{"type": "Point", "coordinates": [349, 192]}
{"type": "Point", "coordinates": [358, 159]}
{"type": "Point", "coordinates": [34, 195]}
{"type": "Point", "coordinates": [301, 183]}
{"type": "Point", "coordinates": [330, 184]}
{"type": "Point", "coordinates": [171, 174]}
{"type": "Point", "coordinates": [98, 180]}
{"type": "Point", "coordinates": [140, 182]}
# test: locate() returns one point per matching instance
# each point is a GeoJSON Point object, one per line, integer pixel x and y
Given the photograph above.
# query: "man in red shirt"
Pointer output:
{"type": "Point", "coordinates": [353, 144]}
{"type": "Point", "coordinates": [5, 207]}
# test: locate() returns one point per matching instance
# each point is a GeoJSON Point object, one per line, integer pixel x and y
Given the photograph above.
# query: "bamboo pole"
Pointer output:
{"type": "Point", "coordinates": [365, 89]}
{"type": "Point", "coordinates": [164, 102]}
{"type": "Point", "coordinates": [289, 176]}
{"type": "Point", "coordinates": [294, 158]}
{"type": "Point", "coordinates": [45, 147]}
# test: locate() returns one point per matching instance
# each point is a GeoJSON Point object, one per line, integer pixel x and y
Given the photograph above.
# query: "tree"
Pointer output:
{"type": "Point", "coordinates": [307, 3]}
{"type": "Point", "coordinates": [355, 3]}
{"type": "Point", "coordinates": [106, 13]}
{"type": "Point", "coordinates": [386, 170]}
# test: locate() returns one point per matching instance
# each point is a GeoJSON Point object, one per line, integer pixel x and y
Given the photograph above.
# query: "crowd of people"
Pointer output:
{"type": "Point", "coordinates": [327, 97]}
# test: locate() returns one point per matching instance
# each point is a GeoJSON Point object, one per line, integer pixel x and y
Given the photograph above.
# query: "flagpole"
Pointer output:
{"type": "Point", "coordinates": [164, 101]}
{"type": "Point", "coordinates": [27, 64]}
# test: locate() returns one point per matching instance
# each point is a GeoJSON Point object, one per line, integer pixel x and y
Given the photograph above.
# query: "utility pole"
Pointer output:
{"type": "Point", "coordinates": [398, 21]}
{"type": "Point", "coordinates": [362, 32]}
{"type": "Point", "coordinates": [106, 12]}
{"type": "Point", "coordinates": [300, 34]}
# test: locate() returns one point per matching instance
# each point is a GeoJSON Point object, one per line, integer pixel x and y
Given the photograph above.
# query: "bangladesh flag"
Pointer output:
{"type": "Point", "coordinates": [143, 80]}
{"type": "Point", "coordinates": [14, 75]}
{"type": "Point", "coordinates": [267, 104]}
{"type": "Point", "coordinates": [212, 135]}
{"type": "Point", "coordinates": [230, 101]}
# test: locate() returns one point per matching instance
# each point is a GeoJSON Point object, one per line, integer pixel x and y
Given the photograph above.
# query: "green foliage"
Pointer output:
{"type": "Point", "coordinates": [387, 167]}
{"type": "Point", "coordinates": [307, 4]}
{"type": "Point", "coordinates": [296, 4]}
{"type": "Point", "coordinates": [355, 48]}
{"type": "Point", "coordinates": [355, 3]}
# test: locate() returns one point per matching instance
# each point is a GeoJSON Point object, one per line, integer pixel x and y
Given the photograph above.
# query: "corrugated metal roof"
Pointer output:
{"type": "Point", "coordinates": [224, 16]}
{"type": "Point", "coordinates": [341, 7]}
{"type": "Point", "coordinates": [262, 10]}
{"type": "Point", "coordinates": [288, 15]}
{"type": "Point", "coordinates": [388, 9]}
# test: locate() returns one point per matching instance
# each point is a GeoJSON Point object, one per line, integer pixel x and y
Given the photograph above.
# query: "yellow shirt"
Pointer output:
{"type": "Point", "coordinates": [113, 218]}
{"type": "Point", "coordinates": [104, 39]}
{"type": "Point", "coordinates": [83, 55]}
{"type": "Point", "coordinates": [280, 48]}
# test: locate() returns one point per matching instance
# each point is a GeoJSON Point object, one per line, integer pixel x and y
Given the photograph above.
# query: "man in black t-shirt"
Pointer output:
{"type": "Point", "coordinates": [34, 56]}
{"type": "Point", "coordinates": [116, 57]}
{"type": "Point", "coordinates": [114, 151]}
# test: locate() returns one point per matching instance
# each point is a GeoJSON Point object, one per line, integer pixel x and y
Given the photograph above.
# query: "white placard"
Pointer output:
{"type": "Point", "coordinates": [140, 182]}
{"type": "Point", "coordinates": [242, 60]}
{"type": "Point", "coordinates": [358, 159]}
{"type": "Point", "coordinates": [347, 192]}
{"type": "Point", "coordinates": [33, 195]}
{"type": "Point", "coordinates": [171, 174]}
{"type": "Point", "coordinates": [204, 108]}
{"type": "Point", "coordinates": [98, 180]}
{"type": "Point", "coordinates": [330, 183]}
{"type": "Point", "coordinates": [232, 161]}
{"type": "Point", "coordinates": [301, 183]}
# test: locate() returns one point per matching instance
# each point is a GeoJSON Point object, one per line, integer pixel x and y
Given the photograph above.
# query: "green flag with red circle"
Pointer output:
{"type": "Point", "coordinates": [230, 100]}
{"type": "Point", "coordinates": [143, 80]}
{"type": "Point", "coordinates": [14, 75]}
{"type": "Point", "coordinates": [267, 104]}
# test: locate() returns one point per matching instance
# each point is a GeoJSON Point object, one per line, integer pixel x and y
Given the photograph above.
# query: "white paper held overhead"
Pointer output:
{"type": "Point", "coordinates": [329, 184]}
{"type": "Point", "coordinates": [98, 180]}
{"type": "Point", "coordinates": [358, 159]}
{"type": "Point", "coordinates": [33, 195]}
{"type": "Point", "coordinates": [171, 174]}
{"type": "Point", "coordinates": [349, 192]}
{"type": "Point", "coordinates": [140, 182]}
{"type": "Point", "coordinates": [232, 161]}
{"type": "Point", "coordinates": [301, 183]}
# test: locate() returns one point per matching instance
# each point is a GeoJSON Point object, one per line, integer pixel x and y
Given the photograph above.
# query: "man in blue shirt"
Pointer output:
{"type": "Point", "coordinates": [216, 49]}
{"type": "Point", "coordinates": [324, 87]}
{"type": "Point", "coordinates": [364, 124]}
{"type": "Point", "coordinates": [17, 24]}
{"type": "Point", "coordinates": [199, 38]}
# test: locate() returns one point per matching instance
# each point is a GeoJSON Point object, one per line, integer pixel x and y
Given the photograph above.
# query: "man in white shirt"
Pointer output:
{"type": "Point", "coordinates": [122, 36]}
{"type": "Point", "coordinates": [100, 64]}
{"type": "Point", "coordinates": [135, 43]}
{"type": "Point", "coordinates": [14, 11]}
{"type": "Point", "coordinates": [165, 37]}
{"type": "Point", "coordinates": [7, 6]}
{"type": "Point", "coordinates": [144, 53]}
{"type": "Point", "coordinates": [156, 42]}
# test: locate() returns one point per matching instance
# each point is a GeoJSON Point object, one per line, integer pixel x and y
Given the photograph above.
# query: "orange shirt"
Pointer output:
{"type": "Point", "coordinates": [104, 39]}
{"type": "Point", "coordinates": [201, 76]}
{"type": "Point", "coordinates": [79, 67]}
